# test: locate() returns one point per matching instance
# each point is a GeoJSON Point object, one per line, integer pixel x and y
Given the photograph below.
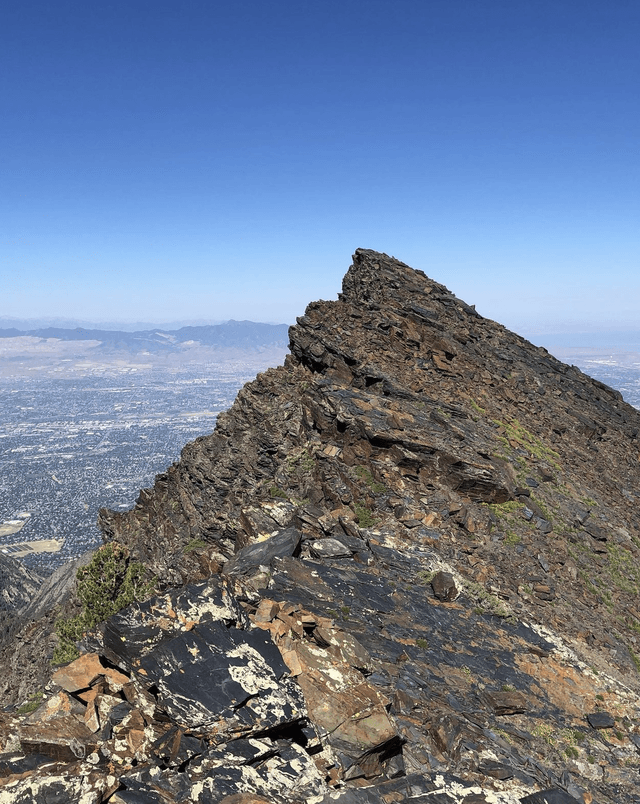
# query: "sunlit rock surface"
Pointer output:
{"type": "Point", "coordinates": [404, 567]}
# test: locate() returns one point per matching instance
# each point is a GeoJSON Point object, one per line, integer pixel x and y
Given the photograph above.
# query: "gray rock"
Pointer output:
{"type": "Point", "coordinates": [506, 702]}
{"type": "Point", "coordinates": [444, 586]}
{"type": "Point", "coordinates": [282, 544]}
{"type": "Point", "coordinates": [601, 720]}
{"type": "Point", "coordinates": [55, 787]}
{"type": "Point", "coordinates": [596, 531]}
{"type": "Point", "coordinates": [329, 548]}
{"type": "Point", "coordinates": [18, 584]}
{"type": "Point", "coordinates": [496, 770]}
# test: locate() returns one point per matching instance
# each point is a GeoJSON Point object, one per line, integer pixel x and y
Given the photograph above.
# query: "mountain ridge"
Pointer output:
{"type": "Point", "coordinates": [421, 533]}
{"type": "Point", "coordinates": [239, 334]}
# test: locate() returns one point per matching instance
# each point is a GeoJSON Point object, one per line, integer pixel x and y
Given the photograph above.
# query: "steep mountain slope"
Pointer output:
{"type": "Point", "coordinates": [448, 411]}
{"type": "Point", "coordinates": [18, 584]}
{"type": "Point", "coordinates": [415, 549]}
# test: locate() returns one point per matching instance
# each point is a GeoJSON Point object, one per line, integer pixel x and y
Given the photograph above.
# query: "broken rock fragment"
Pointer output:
{"type": "Point", "coordinates": [506, 702]}
{"type": "Point", "coordinates": [601, 720]}
{"type": "Point", "coordinates": [551, 796]}
{"type": "Point", "coordinates": [57, 730]}
{"type": "Point", "coordinates": [329, 548]}
{"type": "Point", "coordinates": [444, 586]}
{"type": "Point", "coordinates": [283, 543]}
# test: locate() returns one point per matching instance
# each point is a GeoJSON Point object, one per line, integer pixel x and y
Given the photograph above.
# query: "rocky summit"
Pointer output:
{"type": "Point", "coordinates": [404, 567]}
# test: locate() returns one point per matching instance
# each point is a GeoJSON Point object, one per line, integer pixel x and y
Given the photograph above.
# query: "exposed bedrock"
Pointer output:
{"type": "Point", "coordinates": [404, 567]}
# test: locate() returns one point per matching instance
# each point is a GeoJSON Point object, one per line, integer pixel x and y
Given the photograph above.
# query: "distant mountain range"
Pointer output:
{"type": "Point", "coordinates": [27, 324]}
{"type": "Point", "coordinates": [232, 334]}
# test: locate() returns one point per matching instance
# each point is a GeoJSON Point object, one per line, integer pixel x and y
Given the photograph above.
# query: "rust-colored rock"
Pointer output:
{"type": "Point", "coordinates": [507, 703]}
{"type": "Point", "coordinates": [79, 674]}
{"type": "Point", "coordinates": [84, 671]}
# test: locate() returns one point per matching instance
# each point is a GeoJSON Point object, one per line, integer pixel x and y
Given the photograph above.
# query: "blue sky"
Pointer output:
{"type": "Point", "coordinates": [201, 159]}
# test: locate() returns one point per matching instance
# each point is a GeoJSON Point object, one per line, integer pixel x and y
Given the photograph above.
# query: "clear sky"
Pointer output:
{"type": "Point", "coordinates": [215, 159]}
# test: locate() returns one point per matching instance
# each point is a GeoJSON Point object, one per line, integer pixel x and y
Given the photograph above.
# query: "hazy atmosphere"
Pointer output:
{"type": "Point", "coordinates": [204, 161]}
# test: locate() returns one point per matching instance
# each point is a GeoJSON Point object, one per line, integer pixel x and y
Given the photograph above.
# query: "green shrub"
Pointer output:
{"type": "Point", "coordinates": [511, 538]}
{"type": "Point", "coordinates": [364, 517]}
{"type": "Point", "coordinates": [194, 544]}
{"type": "Point", "coordinates": [109, 582]}
{"type": "Point", "coordinates": [365, 474]}
{"type": "Point", "coordinates": [302, 463]}
{"type": "Point", "coordinates": [32, 704]}
{"type": "Point", "coordinates": [514, 431]}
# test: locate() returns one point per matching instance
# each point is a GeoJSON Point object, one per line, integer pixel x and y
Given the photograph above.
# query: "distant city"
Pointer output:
{"type": "Point", "coordinates": [620, 371]}
{"type": "Point", "coordinates": [616, 364]}
{"type": "Point", "coordinates": [69, 447]}
{"type": "Point", "coordinates": [88, 423]}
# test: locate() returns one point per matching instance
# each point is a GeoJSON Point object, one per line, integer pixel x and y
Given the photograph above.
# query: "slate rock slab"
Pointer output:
{"type": "Point", "coordinates": [56, 729]}
{"type": "Point", "coordinates": [346, 708]}
{"type": "Point", "coordinates": [83, 672]}
{"type": "Point", "coordinates": [329, 548]}
{"type": "Point", "coordinates": [290, 775]}
{"type": "Point", "coordinates": [16, 763]}
{"type": "Point", "coordinates": [54, 789]}
{"type": "Point", "coordinates": [272, 772]}
{"type": "Point", "coordinates": [203, 670]}
{"type": "Point", "coordinates": [506, 702]}
{"type": "Point", "coordinates": [131, 633]}
{"type": "Point", "coordinates": [282, 544]}
{"type": "Point", "coordinates": [497, 770]}
{"type": "Point", "coordinates": [601, 720]}
{"type": "Point", "coordinates": [212, 673]}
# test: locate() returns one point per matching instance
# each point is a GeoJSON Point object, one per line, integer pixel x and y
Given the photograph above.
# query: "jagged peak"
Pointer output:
{"type": "Point", "coordinates": [378, 279]}
{"type": "Point", "coordinates": [427, 519]}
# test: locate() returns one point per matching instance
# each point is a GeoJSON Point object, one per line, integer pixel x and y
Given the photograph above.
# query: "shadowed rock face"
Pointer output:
{"type": "Point", "coordinates": [18, 584]}
{"type": "Point", "coordinates": [404, 567]}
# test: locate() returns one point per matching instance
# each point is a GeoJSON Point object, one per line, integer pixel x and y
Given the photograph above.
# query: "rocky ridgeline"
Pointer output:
{"type": "Point", "coordinates": [404, 567]}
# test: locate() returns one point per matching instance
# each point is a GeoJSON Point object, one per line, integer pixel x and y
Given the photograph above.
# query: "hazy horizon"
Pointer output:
{"type": "Point", "coordinates": [9, 322]}
{"type": "Point", "coordinates": [594, 338]}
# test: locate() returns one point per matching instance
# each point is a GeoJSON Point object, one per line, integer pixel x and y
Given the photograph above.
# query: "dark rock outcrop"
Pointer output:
{"type": "Point", "coordinates": [404, 567]}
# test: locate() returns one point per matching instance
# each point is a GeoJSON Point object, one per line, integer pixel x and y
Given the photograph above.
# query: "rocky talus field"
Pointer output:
{"type": "Point", "coordinates": [404, 567]}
